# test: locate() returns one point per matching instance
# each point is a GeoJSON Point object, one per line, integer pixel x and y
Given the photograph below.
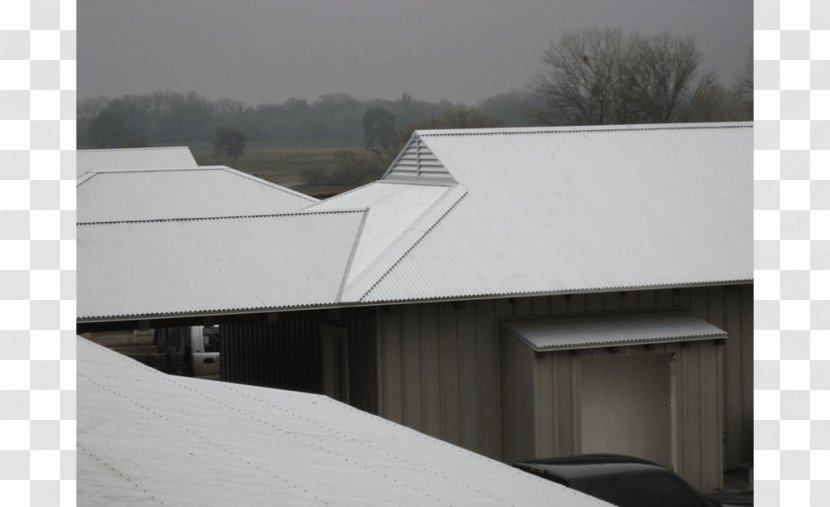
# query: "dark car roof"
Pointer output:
{"type": "Point", "coordinates": [591, 465]}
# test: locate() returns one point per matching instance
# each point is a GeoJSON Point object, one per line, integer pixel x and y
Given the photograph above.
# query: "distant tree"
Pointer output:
{"type": "Point", "coordinates": [743, 91]}
{"type": "Point", "coordinates": [229, 142]}
{"type": "Point", "coordinates": [454, 117]}
{"type": "Point", "coordinates": [111, 129]}
{"type": "Point", "coordinates": [600, 76]}
{"type": "Point", "coordinates": [378, 129]}
{"type": "Point", "coordinates": [514, 108]}
{"type": "Point", "coordinates": [88, 108]}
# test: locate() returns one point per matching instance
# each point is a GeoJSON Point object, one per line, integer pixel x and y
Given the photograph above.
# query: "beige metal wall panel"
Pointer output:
{"type": "Point", "coordinates": [561, 210]}
{"type": "Point", "coordinates": [183, 193]}
{"type": "Point", "coordinates": [416, 329]}
{"type": "Point", "coordinates": [144, 435]}
{"type": "Point", "coordinates": [626, 396]}
{"type": "Point", "coordinates": [128, 159]}
{"type": "Point", "coordinates": [180, 267]}
{"type": "Point", "coordinates": [558, 420]}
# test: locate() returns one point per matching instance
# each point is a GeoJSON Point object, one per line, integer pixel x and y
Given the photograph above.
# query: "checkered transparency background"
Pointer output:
{"type": "Point", "coordinates": [37, 252]}
{"type": "Point", "coordinates": [792, 252]}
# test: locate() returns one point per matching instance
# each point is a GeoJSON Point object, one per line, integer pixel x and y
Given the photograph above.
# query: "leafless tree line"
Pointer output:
{"type": "Point", "coordinates": [600, 76]}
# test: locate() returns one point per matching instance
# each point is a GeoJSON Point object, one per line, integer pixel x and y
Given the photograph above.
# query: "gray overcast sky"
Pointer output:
{"type": "Point", "coordinates": [462, 50]}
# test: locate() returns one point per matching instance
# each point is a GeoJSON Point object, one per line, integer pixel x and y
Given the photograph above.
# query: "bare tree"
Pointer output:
{"type": "Point", "coordinates": [378, 129]}
{"type": "Point", "coordinates": [230, 142]}
{"type": "Point", "coordinates": [600, 76]}
{"type": "Point", "coordinates": [663, 69]}
{"type": "Point", "coordinates": [744, 89]}
{"type": "Point", "coordinates": [90, 107]}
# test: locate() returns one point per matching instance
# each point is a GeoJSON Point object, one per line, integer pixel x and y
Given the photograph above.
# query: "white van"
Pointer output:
{"type": "Point", "coordinates": [204, 351]}
{"type": "Point", "coordinates": [198, 347]}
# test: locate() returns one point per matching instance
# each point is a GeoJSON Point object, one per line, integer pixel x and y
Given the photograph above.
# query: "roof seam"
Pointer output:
{"type": "Point", "coordinates": [507, 132]}
{"type": "Point", "coordinates": [269, 184]}
{"type": "Point", "coordinates": [412, 247]}
{"type": "Point", "coordinates": [352, 253]}
{"type": "Point", "coordinates": [140, 149]}
{"type": "Point", "coordinates": [230, 217]}
{"type": "Point", "coordinates": [116, 170]}
{"type": "Point", "coordinates": [85, 177]}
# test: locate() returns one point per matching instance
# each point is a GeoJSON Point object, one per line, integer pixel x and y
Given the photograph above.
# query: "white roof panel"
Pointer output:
{"type": "Point", "coordinates": [558, 210]}
{"type": "Point", "coordinates": [127, 159]}
{"type": "Point", "coordinates": [149, 438]}
{"type": "Point", "coordinates": [213, 265]}
{"type": "Point", "coordinates": [392, 209]}
{"type": "Point", "coordinates": [621, 329]}
{"type": "Point", "coordinates": [183, 193]}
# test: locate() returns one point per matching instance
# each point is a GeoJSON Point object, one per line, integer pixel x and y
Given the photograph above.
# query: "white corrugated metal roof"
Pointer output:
{"type": "Point", "coordinates": [213, 265]}
{"type": "Point", "coordinates": [558, 210]}
{"type": "Point", "coordinates": [209, 191]}
{"type": "Point", "coordinates": [620, 329]}
{"type": "Point", "coordinates": [398, 215]}
{"type": "Point", "coordinates": [126, 159]}
{"type": "Point", "coordinates": [149, 438]}
{"type": "Point", "coordinates": [533, 211]}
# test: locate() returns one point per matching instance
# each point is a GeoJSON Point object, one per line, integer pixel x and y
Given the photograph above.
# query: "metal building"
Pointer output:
{"type": "Point", "coordinates": [479, 291]}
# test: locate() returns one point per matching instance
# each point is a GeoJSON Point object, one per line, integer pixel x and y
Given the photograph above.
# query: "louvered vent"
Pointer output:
{"type": "Point", "coordinates": [417, 164]}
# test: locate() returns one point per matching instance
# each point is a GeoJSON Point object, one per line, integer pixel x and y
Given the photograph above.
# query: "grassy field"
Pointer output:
{"type": "Point", "coordinates": [316, 170]}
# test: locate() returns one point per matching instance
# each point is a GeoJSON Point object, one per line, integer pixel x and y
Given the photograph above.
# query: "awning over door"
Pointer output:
{"type": "Point", "coordinates": [612, 330]}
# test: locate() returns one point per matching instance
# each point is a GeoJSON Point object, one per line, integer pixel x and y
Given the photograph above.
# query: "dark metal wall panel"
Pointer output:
{"type": "Point", "coordinates": [286, 354]}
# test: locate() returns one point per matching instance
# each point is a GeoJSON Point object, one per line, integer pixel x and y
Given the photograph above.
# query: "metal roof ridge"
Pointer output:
{"type": "Point", "coordinates": [269, 184]}
{"type": "Point", "coordinates": [400, 248]}
{"type": "Point", "coordinates": [229, 217]}
{"type": "Point", "coordinates": [565, 129]}
{"type": "Point", "coordinates": [178, 147]}
{"type": "Point", "coordinates": [116, 170]}
{"type": "Point", "coordinates": [84, 178]}
{"type": "Point", "coordinates": [355, 189]}
{"type": "Point", "coordinates": [352, 253]}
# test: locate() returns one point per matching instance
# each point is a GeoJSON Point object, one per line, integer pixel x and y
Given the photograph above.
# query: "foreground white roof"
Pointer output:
{"type": "Point", "coordinates": [145, 437]}
{"type": "Point", "coordinates": [207, 191]}
{"type": "Point", "coordinates": [128, 159]}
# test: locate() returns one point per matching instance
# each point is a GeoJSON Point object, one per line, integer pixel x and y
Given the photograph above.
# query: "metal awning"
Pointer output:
{"type": "Point", "coordinates": [612, 330]}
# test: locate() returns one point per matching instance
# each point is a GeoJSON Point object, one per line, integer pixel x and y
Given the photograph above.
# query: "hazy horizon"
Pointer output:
{"type": "Point", "coordinates": [261, 51]}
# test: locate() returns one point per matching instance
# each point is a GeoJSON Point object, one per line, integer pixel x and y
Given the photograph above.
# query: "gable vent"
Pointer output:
{"type": "Point", "coordinates": [417, 164]}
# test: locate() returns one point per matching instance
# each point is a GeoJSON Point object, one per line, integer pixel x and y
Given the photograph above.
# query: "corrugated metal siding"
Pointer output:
{"type": "Point", "coordinates": [191, 193]}
{"type": "Point", "coordinates": [286, 354]}
{"type": "Point", "coordinates": [612, 330]}
{"type": "Point", "coordinates": [213, 265]}
{"type": "Point", "coordinates": [126, 159]}
{"type": "Point", "coordinates": [563, 210]}
{"type": "Point", "coordinates": [195, 442]}
{"type": "Point", "coordinates": [543, 395]}
{"type": "Point", "coordinates": [413, 378]}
